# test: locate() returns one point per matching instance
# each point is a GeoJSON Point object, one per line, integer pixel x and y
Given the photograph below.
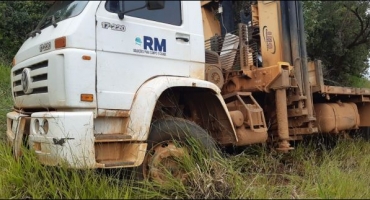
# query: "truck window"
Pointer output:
{"type": "Point", "coordinates": [170, 14]}
{"type": "Point", "coordinates": [62, 10]}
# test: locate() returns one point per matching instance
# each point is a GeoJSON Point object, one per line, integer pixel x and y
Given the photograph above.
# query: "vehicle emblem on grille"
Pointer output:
{"type": "Point", "coordinates": [26, 80]}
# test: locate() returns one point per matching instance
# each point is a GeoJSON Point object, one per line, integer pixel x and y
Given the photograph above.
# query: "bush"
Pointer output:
{"type": "Point", "coordinates": [17, 19]}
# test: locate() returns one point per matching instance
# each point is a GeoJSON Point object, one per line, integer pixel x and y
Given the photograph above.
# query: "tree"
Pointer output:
{"type": "Point", "coordinates": [17, 19]}
{"type": "Point", "coordinates": [338, 33]}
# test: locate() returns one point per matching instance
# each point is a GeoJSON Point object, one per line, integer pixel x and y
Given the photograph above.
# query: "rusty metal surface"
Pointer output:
{"type": "Point", "coordinates": [163, 159]}
{"type": "Point", "coordinates": [248, 118]}
{"type": "Point", "coordinates": [17, 127]}
{"type": "Point", "coordinates": [319, 77]}
{"type": "Point", "coordinates": [282, 81]}
{"type": "Point", "coordinates": [10, 135]}
{"type": "Point", "coordinates": [345, 90]}
{"type": "Point", "coordinates": [260, 80]}
{"type": "Point", "coordinates": [112, 137]}
{"type": "Point", "coordinates": [237, 118]}
{"type": "Point", "coordinates": [312, 74]}
{"type": "Point", "coordinates": [282, 120]}
{"type": "Point", "coordinates": [302, 131]}
{"type": "Point", "coordinates": [113, 113]}
{"type": "Point", "coordinates": [252, 112]}
{"type": "Point", "coordinates": [247, 136]}
{"type": "Point", "coordinates": [119, 154]}
{"type": "Point", "coordinates": [19, 138]}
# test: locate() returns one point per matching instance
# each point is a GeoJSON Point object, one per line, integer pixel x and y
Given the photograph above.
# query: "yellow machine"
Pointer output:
{"type": "Point", "coordinates": [289, 99]}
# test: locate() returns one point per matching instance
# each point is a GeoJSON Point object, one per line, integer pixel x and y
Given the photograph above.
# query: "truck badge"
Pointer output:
{"type": "Point", "coordinates": [25, 81]}
{"type": "Point", "coordinates": [114, 27]}
{"type": "Point", "coordinates": [46, 46]}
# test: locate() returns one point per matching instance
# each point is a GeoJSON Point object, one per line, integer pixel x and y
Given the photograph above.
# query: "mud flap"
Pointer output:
{"type": "Point", "coordinates": [17, 144]}
{"type": "Point", "coordinates": [16, 124]}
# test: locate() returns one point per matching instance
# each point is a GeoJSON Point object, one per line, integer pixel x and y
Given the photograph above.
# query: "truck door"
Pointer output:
{"type": "Point", "coordinates": [140, 46]}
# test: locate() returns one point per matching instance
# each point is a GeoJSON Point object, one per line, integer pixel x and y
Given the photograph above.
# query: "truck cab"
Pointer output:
{"type": "Point", "coordinates": [93, 32]}
{"type": "Point", "coordinates": [93, 76]}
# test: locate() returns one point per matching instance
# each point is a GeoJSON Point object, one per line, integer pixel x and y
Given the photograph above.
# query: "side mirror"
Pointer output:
{"type": "Point", "coordinates": [155, 5]}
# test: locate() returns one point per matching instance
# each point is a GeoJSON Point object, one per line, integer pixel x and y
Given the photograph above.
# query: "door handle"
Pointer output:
{"type": "Point", "coordinates": [183, 39]}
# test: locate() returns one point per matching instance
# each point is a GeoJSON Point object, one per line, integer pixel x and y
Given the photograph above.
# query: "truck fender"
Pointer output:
{"type": "Point", "coordinates": [146, 98]}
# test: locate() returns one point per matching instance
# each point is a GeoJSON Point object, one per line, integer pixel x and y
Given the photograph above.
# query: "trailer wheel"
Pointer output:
{"type": "Point", "coordinates": [167, 144]}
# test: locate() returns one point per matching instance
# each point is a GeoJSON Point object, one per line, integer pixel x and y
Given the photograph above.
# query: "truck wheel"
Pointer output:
{"type": "Point", "coordinates": [167, 143]}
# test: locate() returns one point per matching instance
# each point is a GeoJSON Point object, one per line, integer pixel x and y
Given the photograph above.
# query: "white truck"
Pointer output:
{"type": "Point", "coordinates": [86, 83]}
{"type": "Point", "coordinates": [112, 84]}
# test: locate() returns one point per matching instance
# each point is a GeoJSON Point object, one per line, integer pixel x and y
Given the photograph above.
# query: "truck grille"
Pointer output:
{"type": "Point", "coordinates": [39, 77]}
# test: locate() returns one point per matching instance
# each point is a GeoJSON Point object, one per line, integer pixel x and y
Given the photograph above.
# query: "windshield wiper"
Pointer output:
{"type": "Point", "coordinates": [34, 32]}
{"type": "Point", "coordinates": [53, 21]}
{"type": "Point", "coordinates": [44, 24]}
{"type": "Point", "coordinates": [49, 20]}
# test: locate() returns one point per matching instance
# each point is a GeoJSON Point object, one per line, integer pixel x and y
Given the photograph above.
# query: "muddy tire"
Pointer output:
{"type": "Point", "coordinates": [167, 143]}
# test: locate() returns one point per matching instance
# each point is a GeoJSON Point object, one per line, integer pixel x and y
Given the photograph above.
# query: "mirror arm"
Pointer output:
{"type": "Point", "coordinates": [121, 15]}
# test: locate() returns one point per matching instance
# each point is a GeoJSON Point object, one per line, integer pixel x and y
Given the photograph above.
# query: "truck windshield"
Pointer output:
{"type": "Point", "coordinates": [60, 11]}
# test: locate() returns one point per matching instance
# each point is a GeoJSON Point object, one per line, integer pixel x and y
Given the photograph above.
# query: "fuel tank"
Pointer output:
{"type": "Point", "coordinates": [335, 117]}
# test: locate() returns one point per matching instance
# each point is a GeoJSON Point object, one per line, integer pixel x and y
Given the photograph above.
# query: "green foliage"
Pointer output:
{"type": "Point", "coordinates": [338, 33]}
{"type": "Point", "coordinates": [17, 19]}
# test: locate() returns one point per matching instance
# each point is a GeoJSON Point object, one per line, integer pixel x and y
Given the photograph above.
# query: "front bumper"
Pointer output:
{"type": "Point", "coordinates": [56, 137]}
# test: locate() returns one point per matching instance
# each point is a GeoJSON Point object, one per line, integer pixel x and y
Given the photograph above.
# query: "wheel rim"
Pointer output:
{"type": "Point", "coordinates": [162, 160]}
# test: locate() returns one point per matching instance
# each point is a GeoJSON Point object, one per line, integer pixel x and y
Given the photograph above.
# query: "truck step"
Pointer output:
{"type": "Point", "coordinates": [114, 163]}
{"type": "Point", "coordinates": [112, 138]}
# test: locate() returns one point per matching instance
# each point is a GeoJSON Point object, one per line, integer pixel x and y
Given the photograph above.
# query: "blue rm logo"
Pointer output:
{"type": "Point", "coordinates": [151, 45]}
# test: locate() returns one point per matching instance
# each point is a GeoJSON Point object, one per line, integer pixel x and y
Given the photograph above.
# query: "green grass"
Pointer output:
{"type": "Point", "coordinates": [304, 173]}
{"type": "Point", "coordinates": [309, 171]}
{"type": "Point", "coordinates": [29, 179]}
